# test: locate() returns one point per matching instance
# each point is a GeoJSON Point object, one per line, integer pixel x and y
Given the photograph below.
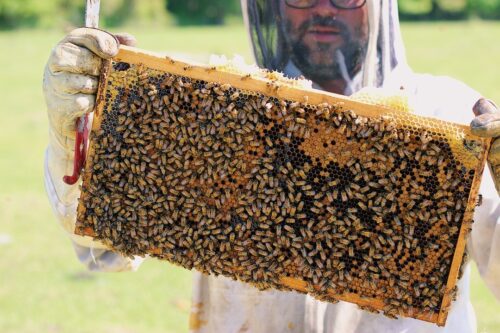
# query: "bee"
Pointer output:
{"type": "Point", "coordinates": [472, 146]}
{"type": "Point", "coordinates": [479, 200]}
{"type": "Point", "coordinates": [170, 60]}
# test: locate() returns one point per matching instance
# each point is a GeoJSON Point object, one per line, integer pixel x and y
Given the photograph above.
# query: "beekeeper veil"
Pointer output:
{"type": "Point", "coordinates": [340, 45]}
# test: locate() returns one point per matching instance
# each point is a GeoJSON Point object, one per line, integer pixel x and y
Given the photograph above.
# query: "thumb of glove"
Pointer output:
{"type": "Point", "coordinates": [126, 39]}
{"type": "Point", "coordinates": [487, 121]}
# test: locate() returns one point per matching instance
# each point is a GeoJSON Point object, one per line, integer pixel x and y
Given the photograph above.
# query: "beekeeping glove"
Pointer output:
{"type": "Point", "coordinates": [487, 124]}
{"type": "Point", "coordinates": [70, 85]}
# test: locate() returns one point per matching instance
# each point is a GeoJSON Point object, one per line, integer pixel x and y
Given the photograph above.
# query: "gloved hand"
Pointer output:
{"type": "Point", "coordinates": [487, 124]}
{"type": "Point", "coordinates": [72, 72]}
{"type": "Point", "coordinates": [70, 86]}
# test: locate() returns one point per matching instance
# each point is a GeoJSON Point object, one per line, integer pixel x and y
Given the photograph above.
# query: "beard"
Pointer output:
{"type": "Point", "coordinates": [319, 62]}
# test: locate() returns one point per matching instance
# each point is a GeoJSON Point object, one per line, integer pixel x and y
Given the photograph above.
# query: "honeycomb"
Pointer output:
{"type": "Point", "coordinates": [280, 186]}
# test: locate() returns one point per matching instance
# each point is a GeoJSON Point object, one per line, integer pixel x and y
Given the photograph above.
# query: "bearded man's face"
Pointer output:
{"type": "Point", "coordinates": [317, 34]}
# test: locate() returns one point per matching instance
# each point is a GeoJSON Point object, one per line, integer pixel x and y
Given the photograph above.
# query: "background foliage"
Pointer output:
{"type": "Point", "coordinates": [199, 12]}
{"type": "Point", "coordinates": [448, 9]}
{"type": "Point", "coordinates": [66, 13]}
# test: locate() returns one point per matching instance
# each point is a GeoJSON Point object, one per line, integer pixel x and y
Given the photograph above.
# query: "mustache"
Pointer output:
{"type": "Point", "coordinates": [324, 21]}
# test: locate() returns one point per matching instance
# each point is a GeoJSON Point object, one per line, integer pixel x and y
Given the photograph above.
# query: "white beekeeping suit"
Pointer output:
{"type": "Point", "coordinates": [223, 305]}
{"type": "Point", "coordinates": [371, 56]}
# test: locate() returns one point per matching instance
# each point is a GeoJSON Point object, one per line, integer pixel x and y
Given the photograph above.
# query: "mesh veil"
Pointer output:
{"type": "Point", "coordinates": [384, 50]}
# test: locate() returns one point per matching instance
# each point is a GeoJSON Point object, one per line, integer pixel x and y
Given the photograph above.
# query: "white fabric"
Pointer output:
{"type": "Point", "coordinates": [63, 197]}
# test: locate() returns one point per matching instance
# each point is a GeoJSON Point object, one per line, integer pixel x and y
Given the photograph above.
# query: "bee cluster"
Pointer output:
{"type": "Point", "coordinates": [240, 184]}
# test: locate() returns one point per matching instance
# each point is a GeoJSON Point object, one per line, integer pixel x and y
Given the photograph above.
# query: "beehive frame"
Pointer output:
{"type": "Point", "coordinates": [316, 117]}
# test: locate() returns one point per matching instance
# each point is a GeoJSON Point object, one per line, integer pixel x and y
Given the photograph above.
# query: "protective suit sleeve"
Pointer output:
{"type": "Point", "coordinates": [484, 243]}
{"type": "Point", "coordinates": [92, 254]}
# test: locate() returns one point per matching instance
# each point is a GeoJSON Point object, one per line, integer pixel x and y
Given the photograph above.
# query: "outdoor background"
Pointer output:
{"type": "Point", "coordinates": [42, 286]}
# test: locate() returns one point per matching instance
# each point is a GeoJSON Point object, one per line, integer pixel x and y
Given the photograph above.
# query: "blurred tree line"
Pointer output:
{"type": "Point", "coordinates": [198, 12]}
{"type": "Point", "coordinates": [448, 9]}
{"type": "Point", "coordinates": [30, 13]}
{"type": "Point", "coordinates": [57, 13]}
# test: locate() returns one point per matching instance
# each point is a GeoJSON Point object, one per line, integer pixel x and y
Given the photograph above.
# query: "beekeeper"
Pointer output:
{"type": "Point", "coordinates": [343, 46]}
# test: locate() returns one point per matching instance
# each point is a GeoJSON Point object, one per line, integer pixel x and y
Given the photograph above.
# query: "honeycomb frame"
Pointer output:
{"type": "Point", "coordinates": [318, 118]}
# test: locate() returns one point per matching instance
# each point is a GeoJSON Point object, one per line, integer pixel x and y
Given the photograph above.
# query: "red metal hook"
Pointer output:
{"type": "Point", "coordinates": [82, 135]}
{"type": "Point", "coordinates": [82, 131]}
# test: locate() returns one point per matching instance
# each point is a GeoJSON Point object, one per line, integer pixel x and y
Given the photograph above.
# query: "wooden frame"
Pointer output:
{"type": "Point", "coordinates": [313, 97]}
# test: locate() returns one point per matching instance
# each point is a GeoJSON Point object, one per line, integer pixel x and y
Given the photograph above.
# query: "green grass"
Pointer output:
{"type": "Point", "coordinates": [42, 286]}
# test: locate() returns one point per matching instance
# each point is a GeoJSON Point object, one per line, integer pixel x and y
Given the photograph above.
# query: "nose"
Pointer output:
{"type": "Point", "coordinates": [325, 8]}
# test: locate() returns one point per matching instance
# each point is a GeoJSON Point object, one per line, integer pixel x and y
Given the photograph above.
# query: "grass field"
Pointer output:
{"type": "Point", "coordinates": [42, 286]}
